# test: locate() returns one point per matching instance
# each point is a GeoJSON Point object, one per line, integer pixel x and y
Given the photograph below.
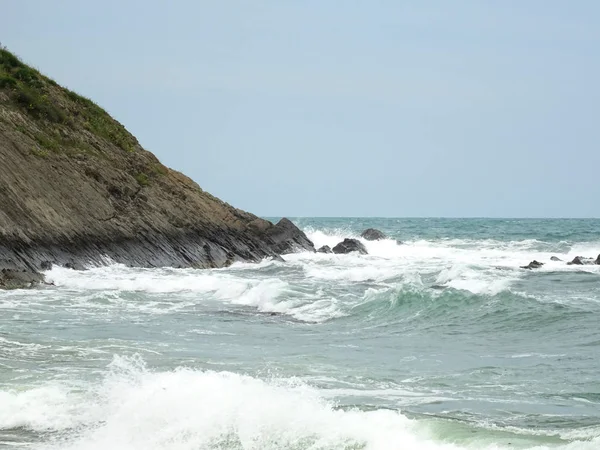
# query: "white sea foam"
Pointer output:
{"type": "Point", "coordinates": [480, 281]}
{"type": "Point", "coordinates": [478, 266]}
{"type": "Point", "coordinates": [133, 408]}
{"type": "Point", "coordinates": [8, 346]}
{"type": "Point", "coordinates": [47, 408]}
{"type": "Point", "coordinates": [264, 294]}
{"type": "Point", "coordinates": [483, 267]}
{"type": "Point", "coordinates": [460, 250]}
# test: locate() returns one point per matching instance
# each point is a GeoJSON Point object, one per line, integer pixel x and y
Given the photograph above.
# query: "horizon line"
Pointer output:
{"type": "Point", "coordinates": [432, 217]}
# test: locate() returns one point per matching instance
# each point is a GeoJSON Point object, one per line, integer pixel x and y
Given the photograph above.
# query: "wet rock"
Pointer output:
{"type": "Point", "coordinates": [75, 265]}
{"type": "Point", "coordinates": [598, 260]}
{"type": "Point", "coordinates": [576, 261]}
{"type": "Point", "coordinates": [349, 246]}
{"type": "Point", "coordinates": [555, 258]}
{"type": "Point", "coordinates": [19, 278]}
{"type": "Point", "coordinates": [285, 237]}
{"type": "Point", "coordinates": [371, 234]}
{"type": "Point", "coordinates": [324, 249]}
{"type": "Point", "coordinates": [46, 265]}
{"type": "Point", "coordinates": [533, 265]}
{"type": "Point", "coordinates": [581, 261]}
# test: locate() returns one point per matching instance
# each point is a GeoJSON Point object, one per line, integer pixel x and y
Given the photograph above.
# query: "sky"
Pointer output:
{"type": "Point", "coordinates": [344, 108]}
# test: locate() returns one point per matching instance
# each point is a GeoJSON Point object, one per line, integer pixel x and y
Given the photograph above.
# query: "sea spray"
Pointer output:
{"type": "Point", "coordinates": [441, 342]}
{"type": "Point", "coordinates": [134, 408]}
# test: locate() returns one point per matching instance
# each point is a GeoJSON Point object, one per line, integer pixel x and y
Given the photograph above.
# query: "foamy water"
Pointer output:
{"type": "Point", "coordinates": [441, 342]}
{"type": "Point", "coordinates": [133, 408]}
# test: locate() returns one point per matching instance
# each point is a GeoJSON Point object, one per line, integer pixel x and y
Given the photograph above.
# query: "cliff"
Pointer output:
{"type": "Point", "coordinates": [77, 189]}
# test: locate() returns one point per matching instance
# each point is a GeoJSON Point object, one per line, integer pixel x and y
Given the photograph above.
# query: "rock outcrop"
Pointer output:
{"type": "Point", "coordinates": [533, 265]}
{"type": "Point", "coordinates": [349, 246]}
{"type": "Point", "coordinates": [576, 261]}
{"type": "Point", "coordinates": [285, 237]}
{"type": "Point", "coordinates": [324, 249]}
{"type": "Point", "coordinates": [581, 261]}
{"type": "Point", "coordinates": [19, 278]}
{"type": "Point", "coordinates": [77, 189]}
{"type": "Point", "coordinates": [371, 234]}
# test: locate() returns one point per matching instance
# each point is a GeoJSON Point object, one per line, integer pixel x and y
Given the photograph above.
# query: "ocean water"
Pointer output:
{"type": "Point", "coordinates": [439, 343]}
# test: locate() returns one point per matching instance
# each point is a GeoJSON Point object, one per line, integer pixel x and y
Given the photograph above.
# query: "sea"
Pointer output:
{"type": "Point", "coordinates": [435, 340]}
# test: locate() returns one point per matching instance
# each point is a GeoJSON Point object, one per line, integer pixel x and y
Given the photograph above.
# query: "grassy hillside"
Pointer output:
{"type": "Point", "coordinates": [55, 108]}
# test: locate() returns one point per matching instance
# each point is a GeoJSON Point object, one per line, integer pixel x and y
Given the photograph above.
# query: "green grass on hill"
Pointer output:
{"type": "Point", "coordinates": [49, 104]}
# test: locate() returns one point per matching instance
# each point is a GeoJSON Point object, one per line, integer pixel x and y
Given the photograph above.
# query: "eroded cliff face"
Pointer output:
{"type": "Point", "coordinates": [77, 188]}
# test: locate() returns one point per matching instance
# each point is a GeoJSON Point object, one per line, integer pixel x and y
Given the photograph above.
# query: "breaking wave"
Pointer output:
{"type": "Point", "coordinates": [134, 408]}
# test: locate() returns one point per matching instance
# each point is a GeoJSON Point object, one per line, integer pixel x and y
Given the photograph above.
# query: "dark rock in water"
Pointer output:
{"type": "Point", "coordinates": [399, 242]}
{"type": "Point", "coordinates": [349, 246]}
{"type": "Point", "coordinates": [324, 249]}
{"type": "Point", "coordinates": [74, 265]}
{"type": "Point", "coordinates": [19, 278]}
{"type": "Point", "coordinates": [95, 195]}
{"type": "Point", "coordinates": [371, 234]}
{"type": "Point", "coordinates": [285, 237]}
{"type": "Point", "coordinates": [598, 260]}
{"type": "Point", "coordinates": [533, 265]}
{"type": "Point", "coordinates": [555, 258]}
{"type": "Point", "coordinates": [581, 261]}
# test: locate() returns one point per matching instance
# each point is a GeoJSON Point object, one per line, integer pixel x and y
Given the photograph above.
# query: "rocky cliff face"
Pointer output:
{"type": "Point", "coordinates": [76, 188]}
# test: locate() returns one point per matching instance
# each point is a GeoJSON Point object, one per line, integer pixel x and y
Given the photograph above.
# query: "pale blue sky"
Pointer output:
{"type": "Point", "coordinates": [347, 108]}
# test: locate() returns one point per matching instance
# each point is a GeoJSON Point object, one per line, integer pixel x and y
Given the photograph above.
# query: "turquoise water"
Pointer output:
{"type": "Point", "coordinates": [441, 342]}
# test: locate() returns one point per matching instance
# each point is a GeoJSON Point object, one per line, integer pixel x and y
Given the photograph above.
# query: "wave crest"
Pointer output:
{"type": "Point", "coordinates": [134, 408]}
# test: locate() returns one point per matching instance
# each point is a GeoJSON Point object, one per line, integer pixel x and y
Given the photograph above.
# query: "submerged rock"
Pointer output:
{"type": "Point", "coordinates": [399, 242]}
{"type": "Point", "coordinates": [371, 234]}
{"type": "Point", "coordinates": [324, 249]}
{"type": "Point", "coordinates": [349, 246]}
{"type": "Point", "coordinates": [533, 265]}
{"type": "Point", "coordinates": [555, 258]}
{"type": "Point", "coordinates": [19, 278]}
{"type": "Point", "coordinates": [438, 286]}
{"type": "Point", "coordinates": [74, 265]}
